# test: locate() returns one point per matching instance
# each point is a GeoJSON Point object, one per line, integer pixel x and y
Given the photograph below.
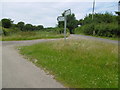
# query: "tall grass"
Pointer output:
{"type": "Point", "coordinates": [78, 63]}
{"type": "Point", "coordinates": [0, 37]}
{"type": "Point", "coordinates": [30, 35]}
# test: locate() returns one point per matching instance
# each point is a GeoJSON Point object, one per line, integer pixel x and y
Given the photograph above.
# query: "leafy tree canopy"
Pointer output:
{"type": "Point", "coordinates": [6, 23]}
{"type": "Point", "coordinates": [72, 23]}
{"type": "Point", "coordinates": [21, 25]}
{"type": "Point", "coordinates": [98, 18]}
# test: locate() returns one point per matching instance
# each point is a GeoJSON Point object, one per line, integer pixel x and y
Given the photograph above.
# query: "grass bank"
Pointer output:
{"type": "Point", "coordinates": [77, 63]}
{"type": "Point", "coordinates": [30, 35]}
{"type": "Point", "coordinates": [0, 38]}
{"type": "Point", "coordinates": [110, 38]}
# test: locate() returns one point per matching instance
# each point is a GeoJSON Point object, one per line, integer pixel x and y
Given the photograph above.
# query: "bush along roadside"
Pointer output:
{"type": "Point", "coordinates": [105, 25]}
{"type": "Point", "coordinates": [102, 29]}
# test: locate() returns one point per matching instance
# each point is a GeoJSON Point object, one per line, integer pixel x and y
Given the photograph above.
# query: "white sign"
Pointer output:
{"type": "Point", "coordinates": [67, 12]}
{"type": "Point", "coordinates": [60, 18]}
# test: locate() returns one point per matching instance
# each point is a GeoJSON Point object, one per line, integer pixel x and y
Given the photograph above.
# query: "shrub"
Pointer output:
{"type": "Point", "coordinates": [101, 29]}
{"type": "Point", "coordinates": [56, 30]}
{"type": "Point", "coordinates": [9, 31]}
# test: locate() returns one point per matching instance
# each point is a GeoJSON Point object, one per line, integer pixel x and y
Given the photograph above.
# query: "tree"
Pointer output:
{"type": "Point", "coordinates": [28, 27]}
{"type": "Point", "coordinates": [39, 27]}
{"type": "Point", "coordinates": [6, 23]}
{"type": "Point", "coordinates": [1, 23]}
{"type": "Point", "coordinates": [80, 22]}
{"type": "Point", "coordinates": [21, 25]}
{"type": "Point", "coordinates": [72, 23]}
{"type": "Point", "coordinates": [102, 25]}
{"type": "Point", "coordinates": [99, 18]}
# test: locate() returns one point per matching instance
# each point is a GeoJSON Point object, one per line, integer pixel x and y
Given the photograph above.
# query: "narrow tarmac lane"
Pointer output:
{"type": "Point", "coordinates": [17, 72]}
{"type": "Point", "coordinates": [95, 38]}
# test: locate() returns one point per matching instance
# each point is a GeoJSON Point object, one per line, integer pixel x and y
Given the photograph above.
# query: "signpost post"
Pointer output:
{"type": "Point", "coordinates": [65, 22]}
{"type": "Point", "coordinates": [64, 18]}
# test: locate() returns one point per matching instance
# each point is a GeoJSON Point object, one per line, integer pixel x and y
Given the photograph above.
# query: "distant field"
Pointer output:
{"type": "Point", "coordinates": [31, 35]}
{"type": "Point", "coordinates": [77, 63]}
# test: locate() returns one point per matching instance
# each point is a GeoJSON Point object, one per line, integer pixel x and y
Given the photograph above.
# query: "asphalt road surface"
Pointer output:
{"type": "Point", "coordinates": [18, 72]}
{"type": "Point", "coordinates": [95, 38]}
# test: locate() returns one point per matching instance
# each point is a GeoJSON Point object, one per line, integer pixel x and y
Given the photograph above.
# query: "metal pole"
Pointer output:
{"type": "Point", "coordinates": [65, 23]}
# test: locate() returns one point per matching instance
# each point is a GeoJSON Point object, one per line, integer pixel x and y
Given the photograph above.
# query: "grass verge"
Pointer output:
{"type": "Point", "coordinates": [77, 63]}
{"type": "Point", "coordinates": [0, 37]}
{"type": "Point", "coordinates": [31, 35]}
{"type": "Point", "coordinates": [110, 38]}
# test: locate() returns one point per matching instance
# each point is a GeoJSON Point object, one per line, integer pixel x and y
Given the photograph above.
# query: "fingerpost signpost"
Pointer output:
{"type": "Point", "coordinates": [64, 18]}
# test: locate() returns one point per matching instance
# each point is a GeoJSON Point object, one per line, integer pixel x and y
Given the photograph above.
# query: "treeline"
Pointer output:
{"type": "Point", "coordinates": [8, 27]}
{"type": "Point", "coordinates": [20, 26]}
{"type": "Point", "coordinates": [101, 25]}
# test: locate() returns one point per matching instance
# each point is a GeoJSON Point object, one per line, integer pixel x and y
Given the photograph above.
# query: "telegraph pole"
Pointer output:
{"type": "Point", "coordinates": [93, 15]}
{"type": "Point", "coordinates": [93, 10]}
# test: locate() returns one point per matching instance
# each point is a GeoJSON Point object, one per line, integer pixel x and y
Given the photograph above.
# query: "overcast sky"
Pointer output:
{"type": "Point", "coordinates": [46, 13]}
